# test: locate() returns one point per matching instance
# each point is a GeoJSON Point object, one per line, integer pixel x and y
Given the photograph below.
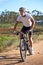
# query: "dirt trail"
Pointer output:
{"type": "Point", "coordinates": [12, 57]}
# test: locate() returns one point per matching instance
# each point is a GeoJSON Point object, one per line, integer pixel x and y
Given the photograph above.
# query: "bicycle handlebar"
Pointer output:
{"type": "Point", "coordinates": [16, 33]}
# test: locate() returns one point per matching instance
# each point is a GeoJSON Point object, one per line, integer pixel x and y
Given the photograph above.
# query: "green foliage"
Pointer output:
{"type": "Point", "coordinates": [38, 17]}
{"type": "Point", "coordinates": [38, 27]}
{"type": "Point", "coordinates": [11, 16]}
{"type": "Point", "coordinates": [7, 40]}
{"type": "Point", "coordinates": [6, 25]}
{"type": "Point", "coordinates": [8, 16]}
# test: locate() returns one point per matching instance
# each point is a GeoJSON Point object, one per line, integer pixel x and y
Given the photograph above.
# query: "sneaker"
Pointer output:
{"type": "Point", "coordinates": [31, 51]}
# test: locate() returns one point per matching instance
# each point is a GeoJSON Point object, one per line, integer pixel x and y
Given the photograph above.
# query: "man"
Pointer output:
{"type": "Point", "coordinates": [28, 24]}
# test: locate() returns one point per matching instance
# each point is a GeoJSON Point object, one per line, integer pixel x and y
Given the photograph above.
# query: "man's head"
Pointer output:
{"type": "Point", "coordinates": [22, 11]}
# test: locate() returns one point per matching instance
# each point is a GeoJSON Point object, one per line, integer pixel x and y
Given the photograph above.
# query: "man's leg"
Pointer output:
{"type": "Point", "coordinates": [21, 35]}
{"type": "Point", "coordinates": [22, 32]}
{"type": "Point", "coordinates": [30, 40]}
{"type": "Point", "coordinates": [31, 43]}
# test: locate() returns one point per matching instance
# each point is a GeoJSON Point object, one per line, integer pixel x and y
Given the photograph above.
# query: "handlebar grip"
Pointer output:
{"type": "Point", "coordinates": [16, 33]}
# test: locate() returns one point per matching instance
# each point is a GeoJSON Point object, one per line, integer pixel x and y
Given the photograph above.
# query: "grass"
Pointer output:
{"type": "Point", "coordinates": [7, 39]}
{"type": "Point", "coordinates": [6, 25]}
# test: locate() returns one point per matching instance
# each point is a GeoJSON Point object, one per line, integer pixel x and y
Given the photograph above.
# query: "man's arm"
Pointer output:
{"type": "Point", "coordinates": [33, 22]}
{"type": "Point", "coordinates": [15, 25]}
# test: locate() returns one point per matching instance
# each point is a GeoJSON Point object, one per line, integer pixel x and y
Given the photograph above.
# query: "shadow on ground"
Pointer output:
{"type": "Point", "coordinates": [11, 59]}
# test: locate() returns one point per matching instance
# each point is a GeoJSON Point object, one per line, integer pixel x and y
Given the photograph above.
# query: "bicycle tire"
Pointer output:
{"type": "Point", "coordinates": [23, 50]}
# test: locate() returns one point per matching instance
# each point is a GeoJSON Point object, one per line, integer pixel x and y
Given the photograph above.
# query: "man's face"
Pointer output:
{"type": "Point", "coordinates": [22, 13]}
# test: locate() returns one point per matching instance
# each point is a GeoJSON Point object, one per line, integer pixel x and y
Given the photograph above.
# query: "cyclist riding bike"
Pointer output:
{"type": "Point", "coordinates": [28, 24]}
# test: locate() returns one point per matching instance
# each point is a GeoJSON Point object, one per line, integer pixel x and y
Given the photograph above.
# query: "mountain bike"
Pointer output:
{"type": "Point", "coordinates": [24, 46]}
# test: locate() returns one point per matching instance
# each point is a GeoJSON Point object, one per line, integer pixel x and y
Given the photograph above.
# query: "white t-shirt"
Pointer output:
{"type": "Point", "coordinates": [25, 20]}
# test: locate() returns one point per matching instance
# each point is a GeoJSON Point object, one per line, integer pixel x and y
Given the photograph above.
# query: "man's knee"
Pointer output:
{"type": "Point", "coordinates": [21, 35]}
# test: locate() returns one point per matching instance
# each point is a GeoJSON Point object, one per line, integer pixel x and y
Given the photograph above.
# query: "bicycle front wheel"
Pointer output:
{"type": "Point", "coordinates": [23, 49]}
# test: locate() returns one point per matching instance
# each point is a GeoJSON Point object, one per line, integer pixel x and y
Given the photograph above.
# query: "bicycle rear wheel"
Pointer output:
{"type": "Point", "coordinates": [23, 50]}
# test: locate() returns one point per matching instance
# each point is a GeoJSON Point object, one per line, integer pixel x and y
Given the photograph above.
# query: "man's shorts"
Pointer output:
{"type": "Point", "coordinates": [25, 29]}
